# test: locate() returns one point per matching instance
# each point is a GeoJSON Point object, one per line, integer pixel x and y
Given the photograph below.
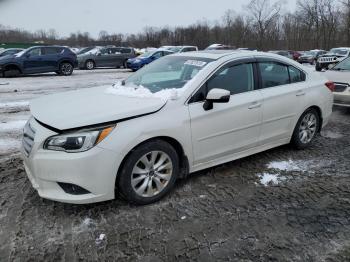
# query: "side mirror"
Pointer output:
{"type": "Point", "coordinates": [216, 95]}
{"type": "Point", "coordinates": [27, 55]}
{"type": "Point", "coordinates": [98, 53]}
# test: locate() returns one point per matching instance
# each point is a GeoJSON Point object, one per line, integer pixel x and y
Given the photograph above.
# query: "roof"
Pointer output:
{"type": "Point", "coordinates": [216, 54]}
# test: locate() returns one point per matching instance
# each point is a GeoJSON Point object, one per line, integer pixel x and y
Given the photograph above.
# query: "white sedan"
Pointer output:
{"type": "Point", "coordinates": [181, 114]}
{"type": "Point", "coordinates": [340, 75]}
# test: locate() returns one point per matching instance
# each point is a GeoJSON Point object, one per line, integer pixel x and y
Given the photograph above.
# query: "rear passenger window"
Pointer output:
{"type": "Point", "coordinates": [296, 75]}
{"type": "Point", "coordinates": [236, 79]}
{"type": "Point", "coordinates": [273, 74]}
{"type": "Point", "coordinates": [50, 50]}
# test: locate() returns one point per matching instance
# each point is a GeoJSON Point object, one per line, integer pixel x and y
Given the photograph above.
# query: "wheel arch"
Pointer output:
{"type": "Point", "coordinates": [183, 159]}
{"type": "Point", "coordinates": [319, 111]}
{"type": "Point", "coordinates": [13, 66]}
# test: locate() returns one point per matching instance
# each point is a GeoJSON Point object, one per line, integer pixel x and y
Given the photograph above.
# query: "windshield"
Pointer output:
{"type": "Point", "coordinates": [343, 65]}
{"type": "Point", "coordinates": [147, 54]}
{"type": "Point", "coordinates": [310, 53]}
{"type": "Point", "coordinates": [20, 53]}
{"type": "Point", "coordinates": [338, 51]}
{"type": "Point", "coordinates": [175, 49]}
{"type": "Point", "coordinates": [167, 73]}
{"type": "Point", "coordinates": [84, 50]}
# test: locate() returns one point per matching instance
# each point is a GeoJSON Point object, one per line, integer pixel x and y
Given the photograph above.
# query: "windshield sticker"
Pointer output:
{"type": "Point", "coordinates": [195, 63]}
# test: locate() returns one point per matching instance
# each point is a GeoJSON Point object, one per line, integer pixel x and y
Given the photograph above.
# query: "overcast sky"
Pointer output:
{"type": "Point", "coordinates": [114, 16]}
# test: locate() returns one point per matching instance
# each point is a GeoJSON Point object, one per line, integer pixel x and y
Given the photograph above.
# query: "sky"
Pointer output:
{"type": "Point", "coordinates": [114, 16]}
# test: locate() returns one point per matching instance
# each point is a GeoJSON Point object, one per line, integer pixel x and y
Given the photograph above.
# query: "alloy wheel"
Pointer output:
{"type": "Point", "coordinates": [151, 174]}
{"type": "Point", "coordinates": [66, 69]}
{"type": "Point", "coordinates": [308, 128]}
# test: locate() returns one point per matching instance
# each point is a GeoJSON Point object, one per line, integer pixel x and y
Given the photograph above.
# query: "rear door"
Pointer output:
{"type": "Point", "coordinates": [283, 89]}
{"type": "Point", "coordinates": [51, 56]}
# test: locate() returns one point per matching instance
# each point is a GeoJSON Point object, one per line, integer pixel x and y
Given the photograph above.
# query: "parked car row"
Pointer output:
{"type": "Point", "coordinates": [39, 59]}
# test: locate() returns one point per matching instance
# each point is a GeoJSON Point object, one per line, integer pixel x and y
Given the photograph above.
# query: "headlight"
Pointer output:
{"type": "Point", "coordinates": [79, 141]}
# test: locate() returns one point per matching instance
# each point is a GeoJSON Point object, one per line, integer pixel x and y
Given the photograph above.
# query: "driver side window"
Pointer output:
{"type": "Point", "coordinates": [237, 79]}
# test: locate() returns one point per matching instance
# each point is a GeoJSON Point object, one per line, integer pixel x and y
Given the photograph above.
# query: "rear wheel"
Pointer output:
{"type": "Point", "coordinates": [306, 129]}
{"type": "Point", "coordinates": [149, 173]}
{"type": "Point", "coordinates": [89, 65]}
{"type": "Point", "coordinates": [66, 69]}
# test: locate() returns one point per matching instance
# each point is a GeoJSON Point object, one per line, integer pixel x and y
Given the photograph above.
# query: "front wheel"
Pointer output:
{"type": "Point", "coordinates": [306, 129]}
{"type": "Point", "coordinates": [66, 69]}
{"type": "Point", "coordinates": [149, 173]}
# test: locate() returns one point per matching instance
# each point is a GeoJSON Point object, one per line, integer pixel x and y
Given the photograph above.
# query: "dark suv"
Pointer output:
{"type": "Point", "coordinates": [115, 57]}
{"type": "Point", "coordinates": [39, 59]}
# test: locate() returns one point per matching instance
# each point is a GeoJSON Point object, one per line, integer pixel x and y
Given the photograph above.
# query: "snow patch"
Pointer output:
{"type": "Point", "coordinates": [100, 239]}
{"type": "Point", "coordinates": [9, 144]}
{"type": "Point", "coordinates": [12, 125]}
{"type": "Point", "coordinates": [20, 104]}
{"type": "Point", "coordinates": [142, 92]}
{"type": "Point", "coordinates": [289, 165]}
{"type": "Point", "coordinates": [268, 179]}
{"type": "Point", "coordinates": [331, 134]}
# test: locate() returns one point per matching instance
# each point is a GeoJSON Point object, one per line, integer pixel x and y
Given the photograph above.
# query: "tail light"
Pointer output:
{"type": "Point", "coordinates": [330, 85]}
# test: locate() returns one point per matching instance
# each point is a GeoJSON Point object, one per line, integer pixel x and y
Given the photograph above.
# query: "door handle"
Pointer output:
{"type": "Point", "coordinates": [300, 93]}
{"type": "Point", "coordinates": [254, 105]}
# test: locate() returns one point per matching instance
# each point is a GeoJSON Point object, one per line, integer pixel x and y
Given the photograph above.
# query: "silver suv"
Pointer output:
{"type": "Point", "coordinates": [114, 57]}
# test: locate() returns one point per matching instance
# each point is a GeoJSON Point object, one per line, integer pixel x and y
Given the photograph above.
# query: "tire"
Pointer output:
{"type": "Point", "coordinates": [66, 69]}
{"type": "Point", "coordinates": [89, 65]}
{"type": "Point", "coordinates": [125, 64]}
{"type": "Point", "coordinates": [152, 183]}
{"type": "Point", "coordinates": [11, 73]}
{"type": "Point", "coordinates": [318, 67]}
{"type": "Point", "coordinates": [304, 128]}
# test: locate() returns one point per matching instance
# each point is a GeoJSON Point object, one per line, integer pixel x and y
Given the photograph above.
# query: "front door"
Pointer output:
{"type": "Point", "coordinates": [231, 127]}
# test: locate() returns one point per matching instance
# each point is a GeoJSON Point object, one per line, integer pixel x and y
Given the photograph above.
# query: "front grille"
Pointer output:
{"type": "Point", "coordinates": [327, 59]}
{"type": "Point", "coordinates": [28, 138]}
{"type": "Point", "coordinates": [340, 87]}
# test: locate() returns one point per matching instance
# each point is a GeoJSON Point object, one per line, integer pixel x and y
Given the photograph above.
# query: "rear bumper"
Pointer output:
{"type": "Point", "coordinates": [342, 99]}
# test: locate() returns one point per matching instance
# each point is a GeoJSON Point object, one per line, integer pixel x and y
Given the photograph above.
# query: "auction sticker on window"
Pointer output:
{"type": "Point", "coordinates": [195, 63]}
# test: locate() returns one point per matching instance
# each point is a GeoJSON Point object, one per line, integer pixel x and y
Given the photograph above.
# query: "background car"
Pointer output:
{"type": "Point", "coordinates": [219, 47]}
{"type": "Point", "coordinates": [39, 59]}
{"type": "Point", "coordinates": [113, 57]}
{"type": "Point", "coordinates": [311, 56]}
{"type": "Point", "coordinates": [136, 63]}
{"type": "Point", "coordinates": [340, 75]}
{"type": "Point", "coordinates": [183, 49]}
{"type": "Point", "coordinates": [10, 51]}
{"type": "Point", "coordinates": [282, 53]}
{"type": "Point", "coordinates": [295, 54]}
{"type": "Point", "coordinates": [331, 58]}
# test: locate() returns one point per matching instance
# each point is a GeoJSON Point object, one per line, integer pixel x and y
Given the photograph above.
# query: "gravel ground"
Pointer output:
{"type": "Point", "coordinates": [280, 205]}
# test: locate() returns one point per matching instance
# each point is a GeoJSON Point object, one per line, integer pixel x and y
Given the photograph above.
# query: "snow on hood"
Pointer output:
{"type": "Point", "coordinates": [142, 92]}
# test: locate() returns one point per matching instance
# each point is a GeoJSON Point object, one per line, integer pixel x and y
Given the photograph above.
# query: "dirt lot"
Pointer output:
{"type": "Point", "coordinates": [280, 205]}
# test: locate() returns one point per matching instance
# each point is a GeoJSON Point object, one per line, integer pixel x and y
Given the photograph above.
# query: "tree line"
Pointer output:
{"type": "Point", "coordinates": [263, 25]}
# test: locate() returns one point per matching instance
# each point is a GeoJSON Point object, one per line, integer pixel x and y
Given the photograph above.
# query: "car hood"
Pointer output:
{"type": "Point", "coordinates": [338, 76]}
{"type": "Point", "coordinates": [332, 55]}
{"type": "Point", "coordinates": [7, 58]}
{"type": "Point", "coordinates": [90, 106]}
